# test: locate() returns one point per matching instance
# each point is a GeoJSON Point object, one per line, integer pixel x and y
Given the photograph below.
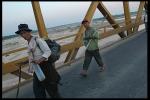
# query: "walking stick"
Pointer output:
{"type": "Point", "coordinates": [18, 87]}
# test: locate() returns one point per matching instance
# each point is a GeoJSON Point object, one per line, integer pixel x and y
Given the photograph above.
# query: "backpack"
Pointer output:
{"type": "Point", "coordinates": [55, 50]}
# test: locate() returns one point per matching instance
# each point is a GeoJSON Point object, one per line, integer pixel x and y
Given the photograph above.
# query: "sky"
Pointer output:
{"type": "Point", "coordinates": [54, 13]}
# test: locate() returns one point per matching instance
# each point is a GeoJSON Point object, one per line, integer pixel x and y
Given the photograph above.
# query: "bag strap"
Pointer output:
{"type": "Point", "coordinates": [37, 43]}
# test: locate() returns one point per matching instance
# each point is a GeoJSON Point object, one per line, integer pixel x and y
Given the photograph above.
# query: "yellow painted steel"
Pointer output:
{"type": "Point", "coordinates": [71, 55]}
{"type": "Point", "coordinates": [12, 66]}
{"type": "Point", "coordinates": [127, 15]}
{"type": "Point", "coordinates": [13, 51]}
{"type": "Point", "coordinates": [24, 75]}
{"type": "Point", "coordinates": [139, 16]}
{"type": "Point", "coordinates": [65, 37]}
{"type": "Point", "coordinates": [39, 20]}
{"type": "Point", "coordinates": [109, 17]}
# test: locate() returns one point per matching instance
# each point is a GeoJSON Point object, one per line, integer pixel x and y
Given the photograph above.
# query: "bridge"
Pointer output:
{"type": "Point", "coordinates": [125, 75]}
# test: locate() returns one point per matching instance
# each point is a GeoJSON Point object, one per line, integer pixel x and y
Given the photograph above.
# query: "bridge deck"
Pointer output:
{"type": "Point", "coordinates": [125, 75]}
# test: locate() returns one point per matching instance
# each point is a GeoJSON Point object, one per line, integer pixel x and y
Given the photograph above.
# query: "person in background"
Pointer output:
{"type": "Point", "coordinates": [90, 41]}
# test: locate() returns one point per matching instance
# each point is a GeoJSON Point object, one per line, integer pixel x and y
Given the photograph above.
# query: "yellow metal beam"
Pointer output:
{"type": "Point", "coordinates": [127, 15]}
{"type": "Point", "coordinates": [109, 17]}
{"type": "Point", "coordinates": [116, 31]}
{"type": "Point", "coordinates": [39, 19]}
{"type": "Point", "coordinates": [139, 16]}
{"type": "Point", "coordinates": [69, 46]}
{"type": "Point", "coordinates": [71, 55]}
{"type": "Point", "coordinates": [24, 75]}
{"type": "Point", "coordinates": [13, 51]}
{"type": "Point", "coordinates": [12, 66]}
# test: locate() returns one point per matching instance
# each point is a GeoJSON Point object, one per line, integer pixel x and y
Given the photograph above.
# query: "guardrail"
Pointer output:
{"type": "Point", "coordinates": [21, 49]}
{"type": "Point", "coordinates": [11, 66]}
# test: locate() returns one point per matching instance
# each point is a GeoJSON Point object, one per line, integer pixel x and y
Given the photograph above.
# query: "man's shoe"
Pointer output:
{"type": "Point", "coordinates": [83, 73]}
{"type": "Point", "coordinates": [102, 68]}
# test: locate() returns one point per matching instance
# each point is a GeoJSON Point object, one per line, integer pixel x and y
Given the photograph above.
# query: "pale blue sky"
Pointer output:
{"type": "Point", "coordinates": [54, 13]}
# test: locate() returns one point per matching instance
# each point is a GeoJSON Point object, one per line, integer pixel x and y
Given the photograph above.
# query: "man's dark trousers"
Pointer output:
{"type": "Point", "coordinates": [88, 57]}
{"type": "Point", "coordinates": [49, 84]}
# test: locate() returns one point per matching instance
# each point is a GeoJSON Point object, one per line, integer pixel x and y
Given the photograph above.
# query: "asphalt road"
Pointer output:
{"type": "Point", "coordinates": [125, 75]}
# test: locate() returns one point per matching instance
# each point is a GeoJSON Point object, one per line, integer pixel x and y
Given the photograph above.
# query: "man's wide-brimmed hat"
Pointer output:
{"type": "Point", "coordinates": [23, 27]}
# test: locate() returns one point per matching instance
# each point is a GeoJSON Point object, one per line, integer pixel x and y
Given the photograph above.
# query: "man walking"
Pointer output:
{"type": "Point", "coordinates": [90, 40]}
{"type": "Point", "coordinates": [41, 58]}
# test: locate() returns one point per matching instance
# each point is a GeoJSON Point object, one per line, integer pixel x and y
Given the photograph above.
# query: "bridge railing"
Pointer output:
{"type": "Point", "coordinates": [11, 66]}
